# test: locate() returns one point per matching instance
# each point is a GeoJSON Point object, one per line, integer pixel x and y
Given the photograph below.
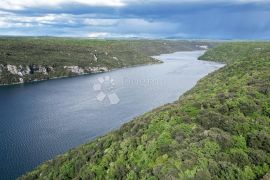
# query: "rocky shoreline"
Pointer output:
{"type": "Point", "coordinates": [32, 73]}
{"type": "Point", "coordinates": [24, 60]}
{"type": "Point", "coordinates": [24, 72]}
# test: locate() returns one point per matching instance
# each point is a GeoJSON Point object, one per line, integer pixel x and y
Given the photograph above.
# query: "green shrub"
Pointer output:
{"type": "Point", "coordinates": [259, 140]}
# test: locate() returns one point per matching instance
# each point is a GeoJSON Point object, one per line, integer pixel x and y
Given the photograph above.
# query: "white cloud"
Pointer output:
{"type": "Point", "coordinates": [8, 24]}
{"type": "Point", "coordinates": [14, 21]}
{"type": "Point", "coordinates": [107, 23]}
{"type": "Point", "coordinates": [206, 1]}
{"type": "Point", "coordinates": [22, 4]}
{"type": "Point", "coordinates": [98, 34]}
{"type": "Point", "coordinates": [100, 22]}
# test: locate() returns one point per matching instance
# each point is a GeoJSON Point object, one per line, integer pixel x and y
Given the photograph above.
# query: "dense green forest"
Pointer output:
{"type": "Point", "coordinates": [30, 59]}
{"type": "Point", "coordinates": [220, 129]}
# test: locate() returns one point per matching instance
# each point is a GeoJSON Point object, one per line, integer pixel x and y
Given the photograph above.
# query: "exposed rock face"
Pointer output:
{"type": "Point", "coordinates": [74, 69]}
{"type": "Point", "coordinates": [115, 58]}
{"type": "Point", "coordinates": [49, 69]}
{"type": "Point", "coordinates": [97, 69]}
{"type": "Point", "coordinates": [21, 80]}
{"type": "Point", "coordinates": [23, 71]}
{"type": "Point", "coordinates": [12, 69]}
{"type": "Point", "coordinates": [95, 58]}
{"type": "Point", "coordinates": [78, 70]}
{"type": "Point", "coordinates": [204, 47]}
{"type": "Point", "coordinates": [27, 70]}
{"type": "Point", "coordinates": [42, 70]}
{"type": "Point", "coordinates": [39, 69]}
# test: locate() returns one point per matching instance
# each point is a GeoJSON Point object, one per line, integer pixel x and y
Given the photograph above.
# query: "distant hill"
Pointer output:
{"type": "Point", "coordinates": [26, 59]}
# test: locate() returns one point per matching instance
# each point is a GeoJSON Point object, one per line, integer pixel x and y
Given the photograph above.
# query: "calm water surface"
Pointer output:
{"type": "Point", "coordinates": [41, 120]}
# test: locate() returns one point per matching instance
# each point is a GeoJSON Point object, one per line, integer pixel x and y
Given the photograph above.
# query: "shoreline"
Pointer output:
{"type": "Point", "coordinates": [113, 129]}
{"type": "Point", "coordinates": [216, 114]}
{"type": "Point", "coordinates": [78, 75]}
{"type": "Point", "coordinates": [154, 110]}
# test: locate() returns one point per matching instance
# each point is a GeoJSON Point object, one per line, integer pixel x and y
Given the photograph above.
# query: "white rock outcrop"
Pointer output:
{"type": "Point", "coordinates": [97, 69]}
{"type": "Point", "coordinates": [25, 70]}
{"type": "Point", "coordinates": [95, 58]}
{"type": "Point", "coordinates": [12, 69]}
{"type": "Point", "coordinates": [22, 71]}
{"type": "Point", "coordinates": [20, 74]}
{"type": "Point", "coordinates": [205, 47]}
{"type": "Point", "coordinates": [42, 70]}
{"type": "Point", "coordinates": [21, 80]}
{"type": "Point", "coordinates": [75, 69]}
{"type": "Point", "coordinates": [115, 58]}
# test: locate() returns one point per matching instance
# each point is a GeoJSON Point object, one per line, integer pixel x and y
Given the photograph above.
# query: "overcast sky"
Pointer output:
{"type": "Point", "coordinates": [207, 19]}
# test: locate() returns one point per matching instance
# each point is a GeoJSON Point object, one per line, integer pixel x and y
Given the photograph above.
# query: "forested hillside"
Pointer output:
{"type": "Point", "coordinates": [30, 59]}
{"type": "Point", "coordinates": [218, 130]}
